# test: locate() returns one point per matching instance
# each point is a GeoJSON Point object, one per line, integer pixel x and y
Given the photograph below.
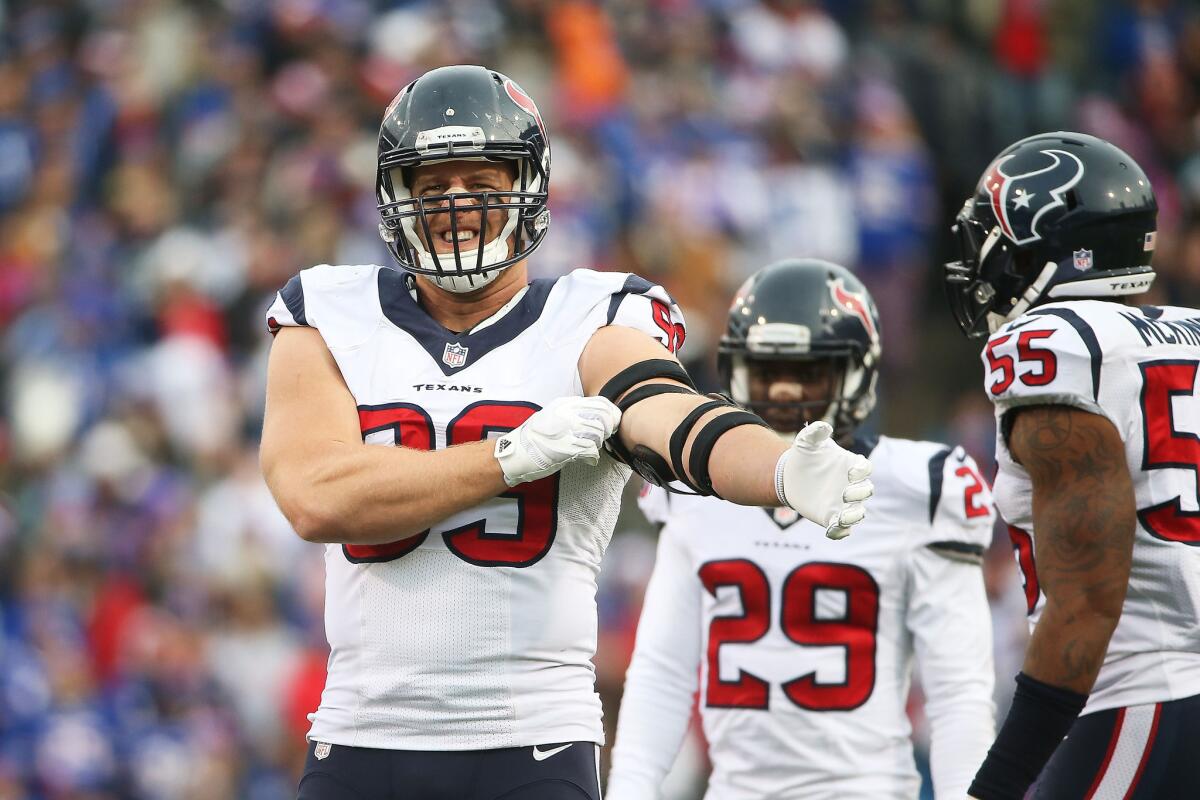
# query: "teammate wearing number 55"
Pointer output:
{"type": "Point", "coordinates": [1097, 422]}
{"type": "Point", "coordinates": [804, 647]}
{"type": "Point", "coordinates": [459, 436]}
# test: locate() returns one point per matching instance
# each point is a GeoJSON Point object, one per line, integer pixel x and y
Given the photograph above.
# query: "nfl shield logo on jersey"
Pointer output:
{"type": "Point", "coordinates": [322, 750]}
{"type": "Point", "coordinates": [1083, 260]}
{"type": "Point", "coordinates": [455, 355]}
{"type": "Point", "coordinates": [785, 517]}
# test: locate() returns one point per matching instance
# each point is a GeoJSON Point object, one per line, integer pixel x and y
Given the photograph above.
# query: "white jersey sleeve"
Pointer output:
{"type": "Point", "coordinates": [287, 309]}
{"type": "Point", "coordinates": [662, 677]}
{"type": "Point", "coordinates": [950, 622]}
{"type": "Point", "coordinates": [331, 298]}
{"type": "Point", "coordinates": [647, 307]}
{"type": "Point", "coordinates": [1047, 357]}
{"type": "Point", "coordinates": [961, 511]}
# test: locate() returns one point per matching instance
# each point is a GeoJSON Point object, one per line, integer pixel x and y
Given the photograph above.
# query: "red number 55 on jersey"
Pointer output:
{"type": "Point", "coordinates": [1042, 362]}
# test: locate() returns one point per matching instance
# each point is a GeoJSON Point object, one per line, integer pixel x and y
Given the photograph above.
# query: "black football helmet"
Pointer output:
{"type": "Point", "coordinates": [805, 310]}
{"type": "Point", "coordinates": [1056, 216]}
{"type": "Point", "coordinates": [462, 113]}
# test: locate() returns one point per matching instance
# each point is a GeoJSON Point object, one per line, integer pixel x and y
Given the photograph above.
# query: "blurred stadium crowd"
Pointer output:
{"type": "Point", "coordinates": [165, 166]}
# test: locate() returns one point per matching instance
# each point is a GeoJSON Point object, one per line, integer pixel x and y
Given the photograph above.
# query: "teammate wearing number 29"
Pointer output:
{"type": "Point", "coordinates": [1097, 423]}
{"type": "Point", "coordinates": [459, 438]}
{"type": "Point", "coordinates": [804, 647]}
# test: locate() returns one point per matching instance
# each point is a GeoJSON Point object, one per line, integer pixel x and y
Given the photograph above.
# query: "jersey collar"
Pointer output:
{"type": "Point", "coordinates": [864, 445]}
{"type": "Point", "coordinates": [454, 352]}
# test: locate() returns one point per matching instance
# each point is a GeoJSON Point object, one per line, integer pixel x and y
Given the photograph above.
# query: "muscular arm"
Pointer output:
{"type": "Point", "coordinates": [1084, 519]}
{"type": "Point", "coordinates": [742, 464]}
{"type": "Point", "coordinates": [334, 488]}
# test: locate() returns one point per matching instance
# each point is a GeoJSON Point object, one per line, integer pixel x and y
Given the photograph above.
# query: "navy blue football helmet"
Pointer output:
{"type": "Point", "coordinates": [805, 310]}
{"type": "Point", "coordinates": [462, 113]}
{"type": "Point", "coordinates": [1055, 216]}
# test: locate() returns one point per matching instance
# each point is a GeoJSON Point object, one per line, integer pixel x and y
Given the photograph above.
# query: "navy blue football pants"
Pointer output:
{"type": "Point", "coordinates": [1133, 753]}
{"type": "Point", "coordinates": [564, 771]}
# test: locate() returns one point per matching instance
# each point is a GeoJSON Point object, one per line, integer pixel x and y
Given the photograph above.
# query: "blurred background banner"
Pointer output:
{"type": "Point", "coordinates": [165, 166]}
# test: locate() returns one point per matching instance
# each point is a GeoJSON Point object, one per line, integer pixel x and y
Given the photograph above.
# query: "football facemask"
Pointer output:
{"type": "Point", "coordinates": [806, 390]}
{"type": "Point", "coordinates": [462, 114]}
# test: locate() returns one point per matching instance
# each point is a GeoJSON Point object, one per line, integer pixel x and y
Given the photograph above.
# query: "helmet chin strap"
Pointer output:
{"type": "Point", "coordinates": [461, 284]}
{"type": "Point", "coordinates": [494, 251]}
{"type": "Point", "coordinates": [1031, 296]}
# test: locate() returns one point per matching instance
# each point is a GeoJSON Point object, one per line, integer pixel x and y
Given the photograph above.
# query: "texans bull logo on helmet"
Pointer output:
{"type": "Point", "coordinates": [853, 303]}
{"type": "Point", "coordinates": [1024, 186]}
{"type": "Point", "coordinates": [518, 96]}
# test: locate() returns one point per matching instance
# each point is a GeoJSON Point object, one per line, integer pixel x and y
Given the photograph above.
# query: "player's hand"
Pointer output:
{"type": "Point", "coordinates": [823, 482]}
{"type": "Point", "coordinates": [568, 429]}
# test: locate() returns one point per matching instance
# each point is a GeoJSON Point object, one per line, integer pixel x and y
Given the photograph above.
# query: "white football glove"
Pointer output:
{"type": "Point", "coordinates": [823, 482]}
{"type": "Point", "coordinates": [568, 429]}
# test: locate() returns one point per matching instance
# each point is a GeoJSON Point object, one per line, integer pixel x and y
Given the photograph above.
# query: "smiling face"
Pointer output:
{"type": "Point", "coordinates": [454, 177]}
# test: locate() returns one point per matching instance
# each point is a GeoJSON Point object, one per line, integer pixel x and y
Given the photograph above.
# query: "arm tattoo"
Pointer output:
{"type": "Point", "coordinates": [1084, 518]}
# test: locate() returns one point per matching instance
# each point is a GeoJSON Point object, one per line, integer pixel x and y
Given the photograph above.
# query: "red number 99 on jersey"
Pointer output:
{"type": "Point", "coordinates": [537, 501]}
{"type": "Point", "coordinates": [673, 331]}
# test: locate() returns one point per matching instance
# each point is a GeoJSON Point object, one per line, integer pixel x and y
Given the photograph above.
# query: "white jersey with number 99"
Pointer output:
{"type": "Point", "coordinates": [479, 632]}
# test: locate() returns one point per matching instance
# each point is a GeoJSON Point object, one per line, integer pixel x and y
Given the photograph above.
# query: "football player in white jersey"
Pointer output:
{"type": "Point", "coordinates": [459, 436]}
{"type": "Point", "coordinates": [1097, 443]}
{"type": "Point", "coordinates": [803, 648]}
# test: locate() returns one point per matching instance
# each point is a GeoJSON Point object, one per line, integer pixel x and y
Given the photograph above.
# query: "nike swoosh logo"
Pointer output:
{"type": "Point", "coordinates": [1012, 326]}
{"type": "Point", "coordinates": [542, 755]}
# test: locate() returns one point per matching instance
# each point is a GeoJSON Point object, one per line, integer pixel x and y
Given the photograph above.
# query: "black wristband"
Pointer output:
{"type": "Point", "coordinates": [1038, 720]}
